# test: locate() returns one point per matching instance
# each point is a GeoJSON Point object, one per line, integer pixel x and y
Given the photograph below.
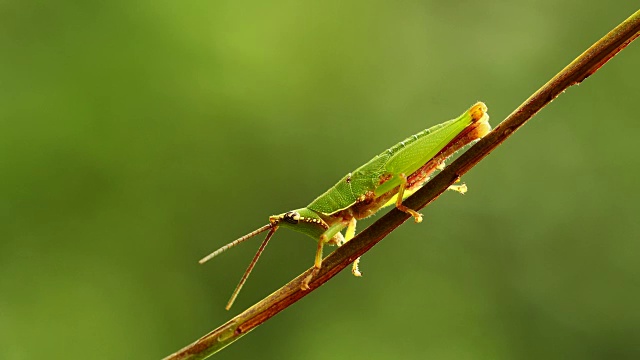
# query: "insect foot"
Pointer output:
{"type": "Point", "coordinates": [305, 283]}
{"type": "Point", "coordinates": [462, 189]}
{"type": "Point", "coordinates": [354, 268]}
{"type": "Point", "coordinates": [417, 217]}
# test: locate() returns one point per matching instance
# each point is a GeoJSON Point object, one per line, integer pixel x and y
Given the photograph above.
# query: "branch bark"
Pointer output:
{"type": "Point", "coordinates": [577, 71]}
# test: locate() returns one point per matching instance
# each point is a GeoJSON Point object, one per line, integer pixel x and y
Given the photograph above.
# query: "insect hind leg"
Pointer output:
{"type": "Point", "coordinates": [416, 215]}
{"type": "Point", "coordinates": [462, 188]}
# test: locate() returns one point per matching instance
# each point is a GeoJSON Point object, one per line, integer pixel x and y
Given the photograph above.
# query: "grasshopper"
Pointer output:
{"type": "Point", "coordinates": [386, 180]}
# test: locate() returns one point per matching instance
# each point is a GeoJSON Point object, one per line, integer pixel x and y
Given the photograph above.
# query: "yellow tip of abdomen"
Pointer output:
{"type": "Point", "coordinates": [478, 112]}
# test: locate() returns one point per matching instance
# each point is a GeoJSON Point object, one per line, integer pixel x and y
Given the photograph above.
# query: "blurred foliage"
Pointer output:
{"type": "Point", "coordinates": [137, 136]}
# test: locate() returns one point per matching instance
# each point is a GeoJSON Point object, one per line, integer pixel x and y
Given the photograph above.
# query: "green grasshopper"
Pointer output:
{"type": "Point", "coordinates": [386, 180]}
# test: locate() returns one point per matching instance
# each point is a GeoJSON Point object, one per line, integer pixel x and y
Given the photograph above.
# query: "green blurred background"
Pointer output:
{"type": "Point", "coordinates": [137, 136]}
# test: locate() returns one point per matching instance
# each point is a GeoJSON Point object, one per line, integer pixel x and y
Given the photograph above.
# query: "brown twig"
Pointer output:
{"type": "Point", "coordinates": [578, 70]}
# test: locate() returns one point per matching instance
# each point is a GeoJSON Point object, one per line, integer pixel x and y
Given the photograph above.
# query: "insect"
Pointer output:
{"type": "Point", "coordinates": [385, 180]}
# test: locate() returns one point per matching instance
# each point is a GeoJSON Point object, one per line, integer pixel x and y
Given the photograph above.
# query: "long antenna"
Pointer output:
{"type": "Point", "coordinates": [251, 265]}
{"type": "Point", "coordinates": [234, 243]}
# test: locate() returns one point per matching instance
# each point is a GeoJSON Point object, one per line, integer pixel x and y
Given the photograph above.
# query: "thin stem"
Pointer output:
{"type": "Point", "coordinates": [578, 70]}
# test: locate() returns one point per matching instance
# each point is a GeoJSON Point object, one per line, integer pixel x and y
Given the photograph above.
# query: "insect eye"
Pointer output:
{"type": "Point", "coordinates": [292, 217]}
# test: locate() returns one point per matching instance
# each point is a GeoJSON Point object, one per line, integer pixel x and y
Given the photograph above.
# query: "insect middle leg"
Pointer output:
{"type": "Point", "coordinates": [324, 238]}
{"type": "Point", "coordinates": [416, 216]}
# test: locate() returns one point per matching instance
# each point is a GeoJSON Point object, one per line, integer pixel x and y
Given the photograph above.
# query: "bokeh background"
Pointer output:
{"type": "Point", "coordinates": [137, 136]}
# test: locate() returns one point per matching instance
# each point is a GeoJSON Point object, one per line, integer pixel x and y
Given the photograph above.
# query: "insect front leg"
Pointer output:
{"type": "Point", "coordinates": [349, 234]}
{"type": "Point", "coordinates": [332, 231]}
{"type": "Point", "coordinates": [416, 216]}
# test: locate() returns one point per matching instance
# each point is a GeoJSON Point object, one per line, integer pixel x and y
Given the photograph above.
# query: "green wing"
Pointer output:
{"type": "Point", "coordinates": [405, 157]}
{"type": "Point", "coordinates": [353, 185]}
{"type": "Point", "coordinates": [411, 157]}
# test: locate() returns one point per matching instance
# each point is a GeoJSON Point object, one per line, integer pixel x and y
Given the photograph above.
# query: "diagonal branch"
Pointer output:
{"type": "Point", "coordinates": [578, 70]}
